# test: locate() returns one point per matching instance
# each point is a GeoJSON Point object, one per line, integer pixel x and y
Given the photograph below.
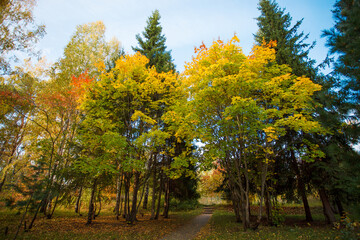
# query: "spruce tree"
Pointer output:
{"type": "Point", "coordinates": [329, 175]}
{"type": "Point", "coordinates": [344, 39]}
{"type": "Point", "coordinates": [291, 49]}
{"type": "Point", "coordinates": [275, 25]}
{"type": "Point", "coordinates": [152, 45]}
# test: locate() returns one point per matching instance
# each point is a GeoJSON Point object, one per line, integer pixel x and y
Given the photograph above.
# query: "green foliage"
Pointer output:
{"type": "Point", "coordinates": [181, 205]}
{"type": "Point", "coordinates": [153, 45]}
{"type": "Point", "coordinates": [86, 51]}
{"type": "Point", "coordinates": [347, 228]}
{"type": "Point", "coordinates": [18, 30]}
{"type": "Point", "coordinates": [278, 216]}
{"type": "Point", "coordinates": [275, 25]}
{"type": "Point", "coordinates": [343, 39]}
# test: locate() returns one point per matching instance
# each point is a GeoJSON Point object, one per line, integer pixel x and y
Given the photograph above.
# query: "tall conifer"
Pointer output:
{"type": "Point", "coordinates": [152, 45]}
{"type": "Point", "coordinates": [291, 49]}
{"type": "Point", "coordinates": [344, 40]}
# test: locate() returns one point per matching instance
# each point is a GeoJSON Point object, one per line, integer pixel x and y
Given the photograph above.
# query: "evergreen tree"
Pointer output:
{"type": "Point", "coordinates": [275, 24]}
{"type": "Point", "coordinates": [328, 175]}
{"type": "Point", "coordinates": [153, 45]}
{"type": "Point", "coordinates": [344, 39]}
{"type": "Point", "coordinates": [291, 49]}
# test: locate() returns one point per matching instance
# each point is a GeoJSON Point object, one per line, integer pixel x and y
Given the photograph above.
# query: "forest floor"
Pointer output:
{"type": "Point", "coordinates": [67, 225]}
{"type": "Point", "coordinates": [187, 224]}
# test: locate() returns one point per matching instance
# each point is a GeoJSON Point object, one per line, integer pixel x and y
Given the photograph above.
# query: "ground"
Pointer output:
{"type": "Point", "coordinates": [67, 225]}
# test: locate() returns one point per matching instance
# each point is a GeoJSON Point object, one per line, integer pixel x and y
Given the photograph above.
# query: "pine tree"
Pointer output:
{"type": "Point", "coordinates": [153, 45]}
{"type": "Point", "coordinates": [344, 39]}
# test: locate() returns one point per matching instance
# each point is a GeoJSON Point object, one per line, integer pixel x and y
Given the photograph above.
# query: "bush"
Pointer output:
{"type": "Point", "coordinates": [186, 205]}
{"type": "Point", "coordinates": [278, 217]}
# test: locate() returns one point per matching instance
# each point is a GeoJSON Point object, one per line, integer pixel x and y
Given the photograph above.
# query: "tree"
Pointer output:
{"type": "Point", "coordinates": [342, 159]}
{"type": "Point", "coordinates": [120, 127]}
{"type": "Point", "coordinates": [332, 111]}
{"type": "Point", "coordinates": [239, 107]}
{"type": "Point", "coordinates": [82, 60]}
{"type": "Point", "coordinates": [343, 39]}
{"type": "Point", "coordinates": [291, 49]}
{"type": "Point", "coordinates": [17, 93]}
{"type": "Point", "coordinates": [153, 45]}
{"type": "Point", "coordinates": [86, 50]}
{"type": "Point", "coordinates": [18, 31]}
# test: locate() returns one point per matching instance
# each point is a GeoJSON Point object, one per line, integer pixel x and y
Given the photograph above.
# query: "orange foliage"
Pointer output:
{"type": "Point", "coordinates": [211, 181]}
{"type": "Point", "coordinates": [67, 99]}
{"type": "Point", "coordinates": [80, 83]}
{"type": "Point", "coordinates": [14, 98]}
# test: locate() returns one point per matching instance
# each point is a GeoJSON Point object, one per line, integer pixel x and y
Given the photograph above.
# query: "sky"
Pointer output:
{"type": "Point", "coordinates": [186, 23]}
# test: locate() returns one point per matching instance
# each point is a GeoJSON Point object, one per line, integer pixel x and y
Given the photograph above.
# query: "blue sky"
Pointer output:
{"type": "Point", "coordinates": [186, 23]}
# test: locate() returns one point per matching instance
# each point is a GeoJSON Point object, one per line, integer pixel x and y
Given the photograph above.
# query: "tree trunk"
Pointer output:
{"type": "Point", "coordinates": [329, 214]}
{"type": "Point", "coordinates": [36, 213]}
{"type": "Point", "coordinates": [167, 198]}
{"type": "Point", "coordinates": [268, 207]}
{"type": "Point", "coordinates": [146, 197]}
{"type": "Point", "coordinates": [134, 198]}
{"type": "Point", "coordinates": [78, 201]}
{"type": "Point", "coordinates": [99, 199]}
{"type": "Point", "coordinates": [51, 213]}
{"type": "Point", "coordinates": [159, 196]}
{"type": "Point", "coordinates": [153, 200]}
{"type": "Point", "coordinates": [118, 196]}
{"type": "Point", "coordinates": [340, 206]}
{"type": "Point", "coordinates": [244, 212]}
{"type": "Point", "coordinates": [127, 180]}
{"type": "Point", "coordinates": [91, 204]}
{"type": "Point", "coordinates": [236, 206]}
{"type": "Point", "coordinates": [22, 218]}
{"type": "Point", "coordinates": [301, 187]}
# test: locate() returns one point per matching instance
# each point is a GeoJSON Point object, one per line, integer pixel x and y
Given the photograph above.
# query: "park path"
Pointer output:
{"type": "Point", "coordinates": [189, 230]}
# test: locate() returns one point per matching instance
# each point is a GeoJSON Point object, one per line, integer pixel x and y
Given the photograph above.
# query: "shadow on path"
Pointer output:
{"type": "Point", "coordinates": [189, 231]}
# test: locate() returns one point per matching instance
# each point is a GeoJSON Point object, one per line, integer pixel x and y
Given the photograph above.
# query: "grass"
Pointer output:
{"type": "Point", "coordinates": [67, 225]}
{"type": "Point", "coordinates": [222, 226]}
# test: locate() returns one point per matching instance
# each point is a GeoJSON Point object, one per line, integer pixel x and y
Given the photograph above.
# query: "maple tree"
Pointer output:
{"type": "Point", "coordinates": [240, 105]}
{"type": "Point", "coordinates": [121, 125]}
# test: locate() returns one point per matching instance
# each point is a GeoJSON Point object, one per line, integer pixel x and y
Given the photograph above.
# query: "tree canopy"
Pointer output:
{"type": "Point", "coordinates": [18, 30]}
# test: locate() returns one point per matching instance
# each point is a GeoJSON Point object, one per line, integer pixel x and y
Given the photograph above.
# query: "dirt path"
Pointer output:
{"type": "Point", "coordinates": [189, 231]}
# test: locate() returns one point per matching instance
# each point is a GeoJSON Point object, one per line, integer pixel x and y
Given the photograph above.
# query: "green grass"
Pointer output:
{"type": "Point", "coordinates": [222, 226]}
